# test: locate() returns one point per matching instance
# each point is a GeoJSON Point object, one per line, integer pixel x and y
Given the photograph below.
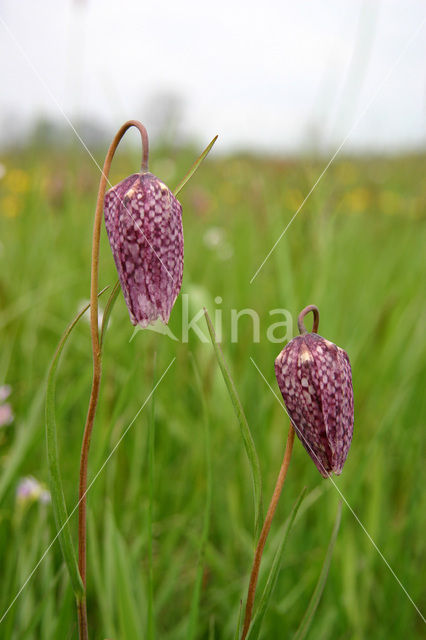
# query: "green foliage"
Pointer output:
{"type": "Point", "coordinates": [319, 587]}
{"type": "Point", "coordinates": [196, 597]}
{"type": "Point", "coordinates": [265, 598]}
{"type": "Point", "coordinates": [55, 480]}
{"type": "Point", "coordinates": [356, 250]}
{"type": "Point", "coordinates": [57, 493]}
{"type": "Point", "coordinates": [194, 167]}
{"type": "Point", "coordinates": [248, 441]}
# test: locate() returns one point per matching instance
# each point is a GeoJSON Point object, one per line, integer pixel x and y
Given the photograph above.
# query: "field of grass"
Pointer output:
{"type": "Point", "coordinates": [356, 250]}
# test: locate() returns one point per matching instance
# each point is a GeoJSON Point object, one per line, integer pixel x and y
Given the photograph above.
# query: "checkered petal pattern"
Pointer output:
{"type": "Point", "coordinates": [144, 225]}
{"type": "Point", "coordinates": [315, 379]}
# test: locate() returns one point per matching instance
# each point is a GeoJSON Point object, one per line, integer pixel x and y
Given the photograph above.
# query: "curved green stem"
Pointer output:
{"type": "Point", "coordinates": [96, 352]}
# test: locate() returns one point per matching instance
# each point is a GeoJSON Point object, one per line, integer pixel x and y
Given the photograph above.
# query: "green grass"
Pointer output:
{"type": "Point", "coordinates": [356, 250]}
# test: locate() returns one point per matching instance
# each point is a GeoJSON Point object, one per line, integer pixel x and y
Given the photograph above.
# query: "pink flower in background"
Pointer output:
{"type": "Point", "coordinates": [31, 490]}
{"type": "Point", "coordinates": [6, 413]}
{"type": "Point", "coordinates": [5, 391]}
{"type": "Point", "coordinates": [144, 225]}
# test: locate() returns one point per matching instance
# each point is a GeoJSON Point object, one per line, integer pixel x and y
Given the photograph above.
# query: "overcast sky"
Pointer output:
{"type": "Point", "coordinates": [269, 74]}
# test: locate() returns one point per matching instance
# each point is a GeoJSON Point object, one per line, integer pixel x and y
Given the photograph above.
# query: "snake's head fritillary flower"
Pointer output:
{"type": "Point", "coordinates": [144, 225]}
{"type": "Point", "coordinates": [314, 376]}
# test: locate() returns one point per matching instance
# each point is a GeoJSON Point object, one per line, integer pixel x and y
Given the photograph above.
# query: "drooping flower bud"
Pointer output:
{"type": "Point", "coordinates": [314, 376]}
{"type": "Point", "coordinates": [144, 225]}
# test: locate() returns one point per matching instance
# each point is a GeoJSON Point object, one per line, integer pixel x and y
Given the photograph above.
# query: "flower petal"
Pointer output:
{"type": "Point", "coordinates": [144, 225]}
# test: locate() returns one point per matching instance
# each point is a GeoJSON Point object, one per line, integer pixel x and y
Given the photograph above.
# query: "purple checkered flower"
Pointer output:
{"type": "Point", "coordinates": [144, 225]}
{"type": "Point", "coordinates": [314, 376]}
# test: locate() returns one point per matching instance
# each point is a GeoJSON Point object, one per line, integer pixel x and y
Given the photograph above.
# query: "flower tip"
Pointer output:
{"type": "Point", "coordinates": [151, 321]}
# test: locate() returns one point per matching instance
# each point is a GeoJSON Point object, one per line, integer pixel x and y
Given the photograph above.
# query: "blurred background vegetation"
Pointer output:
{"type": "Point", "coordinates": [356, 250]}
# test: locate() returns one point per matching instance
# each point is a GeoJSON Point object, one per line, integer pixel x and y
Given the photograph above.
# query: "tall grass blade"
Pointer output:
{"type": "Point", "coordinates": [245, 429]}
{"type": "Point", "coordinates": [108, 309]}
{"type": "Point", "coordinates": [254, 631]}
{"type": "Point", "coordinates": [240, 616]}
{"type": "Point", "coordinates": [194, 167]}
{"type": "Point", "coordinates": [97, 550]}
{"type": "Point", "coordinates": [316, 596]}
{"type": "Point", "coordinates": [195, 604]}
{"type": "Point", "coordinates": [150, 632]}
{"type": "Point", "coordinates": [56, 490]}
{"type": "Point", "coordinates": [130, 621]}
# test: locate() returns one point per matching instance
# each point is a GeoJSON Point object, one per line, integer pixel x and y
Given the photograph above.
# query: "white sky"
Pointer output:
{"type": "Point", "coordinates": [268, 74]}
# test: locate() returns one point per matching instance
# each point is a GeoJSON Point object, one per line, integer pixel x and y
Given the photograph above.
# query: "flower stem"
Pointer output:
{"type": "Point", "coordinates": [96, 351]}
{"type": "Point", "coordinates": [265, 530]}
{"type": "Point", "coordinates": [301, 319]}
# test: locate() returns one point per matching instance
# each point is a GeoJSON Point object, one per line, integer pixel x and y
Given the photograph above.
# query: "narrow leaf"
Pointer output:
{"type": "Point", "coordinates": [56, 490]}
{"type": "Point", "coordinates": [254, 631]}
{"type": "Point", "coordinates": [150, 634]}
{"type": "Point", "coordinates": [240, 615]}
{"type": "Point", "coordinates": [108, 309]}
{"type": "Point", "coordinates": [129, 609]}
{"type": "Point", "coordinates": [195, 604]}
{"type": "Point", "coordinates": [245, 429]}
{"type": "Point", "coordinates": [316, 596]}
{"type": "Point", "coordinates": [194, 167]}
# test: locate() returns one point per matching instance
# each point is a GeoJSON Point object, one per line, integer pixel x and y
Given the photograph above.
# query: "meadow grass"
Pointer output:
{"type": "Point", "coordinates": [356, 250]}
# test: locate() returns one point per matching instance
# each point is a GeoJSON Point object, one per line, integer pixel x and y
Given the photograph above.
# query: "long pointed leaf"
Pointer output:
{"type": "Point", "coordinates": [316, 596]}
{"type": "Point", "coordinates": [245, 429]}
{"type": "Point", "coordinates": [56, 490]}
{"type": "Point", "coordinates": [150, 627]}
{"type": "Point", "coordinates": [194, 167]}
{"type": "Point", "coordinates": [108, 309]}
{"type": "Point", "coordinates": [129, 610]}
{"type": "Point", "coordinates": [273, 574]}
{"type": "Point", "coordinates": [195, 604]}
{"type": "Point", "coordinates": [240, 615]}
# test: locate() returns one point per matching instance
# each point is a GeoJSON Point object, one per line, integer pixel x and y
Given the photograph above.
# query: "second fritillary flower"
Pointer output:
{"type": "Point", "coordinates": [314, 377]}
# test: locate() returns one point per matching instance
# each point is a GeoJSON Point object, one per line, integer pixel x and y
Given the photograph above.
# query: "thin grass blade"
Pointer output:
{"type": "Point", "coordinates": [264, 601]}
{"type": "Point", "coordinates": [95, 558]}
{"type": "Point", "coordinates": [56, 489]}
{"type": "Point", "coordinates": [245, 429]}
{"type": "Point", "coordinates": [316, 596]}
{"type": "Point", "coordinates": [194, 167]}
{"type": "Point", "coordinates": [150, 632]}
{"type": "Point", "coordinates": [195, 604]}
{"type": "Point", "coordinates": [129, 609]}
{"type": "Point", "coordinates": [240, 616]}
{"type": "Point", "coordinates": [108, 309]}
